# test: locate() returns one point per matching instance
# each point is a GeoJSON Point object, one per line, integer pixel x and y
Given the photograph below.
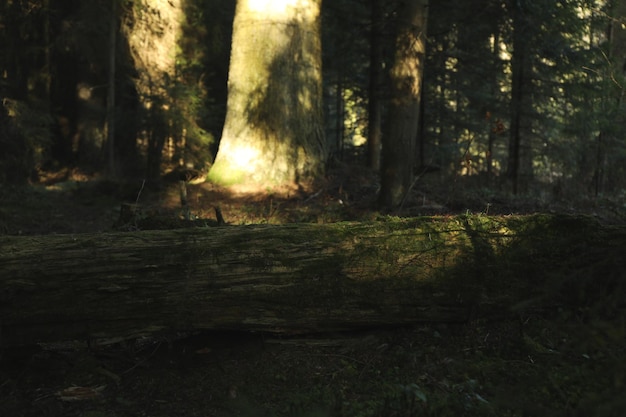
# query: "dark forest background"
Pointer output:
{"type": "Point", "coordinates": [521, 96]}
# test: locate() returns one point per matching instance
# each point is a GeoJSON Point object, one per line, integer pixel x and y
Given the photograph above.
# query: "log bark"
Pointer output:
{"type": "Point", "coordinates": [293, 279]}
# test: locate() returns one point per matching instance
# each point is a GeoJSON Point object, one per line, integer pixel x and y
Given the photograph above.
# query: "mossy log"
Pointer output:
{"type": "Point", "coordinates": [294, 279]}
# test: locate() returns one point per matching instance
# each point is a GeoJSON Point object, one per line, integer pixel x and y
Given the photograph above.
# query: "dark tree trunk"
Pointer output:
{"type": "Point", "coordinates": [398, 151]}
{"type": "Point", "coordinates": [374, 136]}
{"type": "Point", "coordinates": [493, 125]}
{"type": "Point", "coordinates": [111, 87]}
{"type": "Point", "coordinates": [158, 135]}
{"type": "Point", "coordinates": [517, 93]}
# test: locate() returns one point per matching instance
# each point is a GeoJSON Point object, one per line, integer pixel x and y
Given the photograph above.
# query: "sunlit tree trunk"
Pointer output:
{"type": "Point", "coordinates": [273, 132]}
{"type": "Point", "coordinates": [398, 151]}
{"type": "Point", "coordinates": [152, 32]}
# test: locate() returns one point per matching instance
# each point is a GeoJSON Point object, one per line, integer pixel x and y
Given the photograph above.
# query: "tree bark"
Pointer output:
{"type": "Point", "coordinates": [518, 64]}
{"type": "Point", "coordinates": [615, 97]}
{"type": "Point", "coordinates": [374, 135]}
{"type": "Point", "coordinates": [398, 142]}
{"type": "Point", "coordinates": [293, 279]}
{"type": "Point", "coordinates": [110, 114]}
{"type": "Point", "coordinates": [152, 30]}
{"type": "Point", "coordinates": [273, 132]}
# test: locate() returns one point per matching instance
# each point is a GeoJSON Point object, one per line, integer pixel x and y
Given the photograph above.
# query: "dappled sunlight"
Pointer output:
{"type": "Point", "coordinates": [272, 132]}
{"type": "Point", "coordinates": [244, 156]}
{"type": "Point", "coordinates": [155, 56]}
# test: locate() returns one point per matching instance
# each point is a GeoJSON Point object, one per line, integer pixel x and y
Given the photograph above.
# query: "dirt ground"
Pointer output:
{"type": "Point", "coordinates": [563, 365]}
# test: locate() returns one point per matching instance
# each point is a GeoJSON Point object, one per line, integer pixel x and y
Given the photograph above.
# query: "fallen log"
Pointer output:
{"type": "Point", "coordinates": [293, 279]}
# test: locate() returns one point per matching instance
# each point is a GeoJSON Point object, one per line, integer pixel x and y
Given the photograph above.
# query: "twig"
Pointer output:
{"type": "Point", "coordinates": [143, 183]}
{"type": "Point", "coordinates": [312, 196]}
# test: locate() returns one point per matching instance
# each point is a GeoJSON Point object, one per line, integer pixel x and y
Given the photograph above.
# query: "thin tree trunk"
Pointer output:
{"type": "Point", "coordinates": [374, 137]}
{"type": "Point", "coordinates": [339, 120]}
{"type": "Point", "coordinates": [420, 156]}
{"type": "Point", "coordinates": [617, 58]}
{"type": "Point", "coordinates": [492, 124]}
{"type": "Point", "coordinates": [110, 117]}
{"type": "Point", "coordinates": [517, 94]}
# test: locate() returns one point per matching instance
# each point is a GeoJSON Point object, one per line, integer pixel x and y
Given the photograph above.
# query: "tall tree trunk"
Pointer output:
{"type": "Point", "coordinates": [617, 58]}
{"type": "Point", "coordinates": [153, 33]}
{"type": "Point", "coordinates": [15, 71]}
{"type": "Point", "coordinates": [110, 116]}
{"type": "Point", "coordinates": [374, 136]}
{"type": "Point", "coordinates": [398, 151]}
{"type": "Point", "coordinates": [493, 126]}
{"type": "Point", "coordinates": [339, 116]}
{"type": "Point", "coordinates": [517, 93]}
{"type": "Point", "coordinates": [273, 131]}
{"type": "Point", "coordinates": [618, 44]}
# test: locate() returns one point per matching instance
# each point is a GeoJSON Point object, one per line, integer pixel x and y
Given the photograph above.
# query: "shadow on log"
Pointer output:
{"type": "Point", "coordinates": [302, 278]}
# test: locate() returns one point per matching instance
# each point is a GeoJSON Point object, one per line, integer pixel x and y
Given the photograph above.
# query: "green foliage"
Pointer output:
{"type": "Point", "coordinates": [568, 90]}
{"type": "Point", "coordinates": [197, 95]}
{"type": "Point", "coordinates": [54, 47]}
{"type": "Point", "coordinates": [345, 39]}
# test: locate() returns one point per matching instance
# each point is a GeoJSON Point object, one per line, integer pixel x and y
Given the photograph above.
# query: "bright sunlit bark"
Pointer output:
{"type": "Point", "coordinates": [273, 129]}
{"type": "Point", "coordinates": [152, 39]}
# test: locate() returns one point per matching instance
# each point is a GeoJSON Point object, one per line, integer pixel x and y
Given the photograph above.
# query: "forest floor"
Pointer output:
{"type": "Point", "coordinates": [570, 363]}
